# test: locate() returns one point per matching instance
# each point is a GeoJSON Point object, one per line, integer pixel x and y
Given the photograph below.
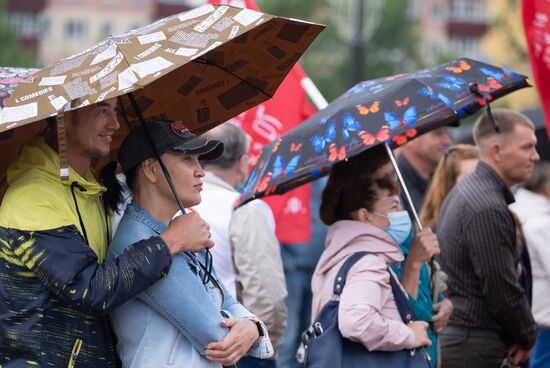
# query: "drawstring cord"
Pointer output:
{"type": "Point", "coordinates": [107, 225]}
{"type": "Point", "coordinates": [474, 88]}
{"type": "Point", "coordinates": [74, 184]}
{"type": "Point", "coordinates": [207, 267]}
{"type": "Point", "coordinates": [207, 273]}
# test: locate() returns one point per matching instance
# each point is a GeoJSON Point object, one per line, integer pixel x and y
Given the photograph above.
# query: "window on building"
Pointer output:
{"type": "Point", "coordinates": [482, 10]}
{"type": "Point", "coordinates": [44, 28]}
{"type": "Point", "coordinates": [134, 26]}
{"type": "Point", "coordinates": [465, 46]}
{"type": "Point", "coordinates": [24, 23]}
{"type": "Point", "coordinates": [75, 30]}
{"type": "Point", "coordinates": [107, 30]}
{"type": "Point", "coordinates": [414, 8]}
{"type": "Point", "coordinates": [437, 12]}
{"type": "Point", "coordinates": [470, 10]}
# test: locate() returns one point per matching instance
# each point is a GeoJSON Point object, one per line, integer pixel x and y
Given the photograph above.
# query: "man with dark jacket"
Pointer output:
{"type": "Point", "coordinates": [55, 288]}
{"type": "Point", "coordinates": [492, 320]}
{"type": "Point", "coordinates": [418, 159]}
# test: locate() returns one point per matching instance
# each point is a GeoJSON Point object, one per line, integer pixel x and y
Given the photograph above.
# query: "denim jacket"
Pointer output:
{"type": "Point", "coordinates": [171, 323]}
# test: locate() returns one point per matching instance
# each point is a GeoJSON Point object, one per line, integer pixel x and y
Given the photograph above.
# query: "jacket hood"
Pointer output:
{"type": "Point", "coordinates": [38, 159]}
{"type": "Point", "coordinates": [346, 237]}
{"type": "Point", "coordinates": [38, 200]}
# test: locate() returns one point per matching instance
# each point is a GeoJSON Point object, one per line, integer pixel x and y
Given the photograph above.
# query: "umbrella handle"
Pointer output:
{"type": "Point", "coordinates": [412, 210]}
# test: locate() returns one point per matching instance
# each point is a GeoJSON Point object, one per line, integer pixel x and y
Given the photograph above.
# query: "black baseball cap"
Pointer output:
{"type": "Point", "coordinates": [168, 136]}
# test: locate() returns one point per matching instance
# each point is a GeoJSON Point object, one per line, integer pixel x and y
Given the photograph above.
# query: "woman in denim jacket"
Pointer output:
{"type": "Point", "coordinates": [187, 319]}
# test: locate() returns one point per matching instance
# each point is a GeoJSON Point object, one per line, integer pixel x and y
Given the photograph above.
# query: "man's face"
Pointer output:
{"type": "Point", "coordinates": [431, 146]}
{"type": "Point", "coordinates": [90, 129]}
{"type": "Point", "coordinates": [518, 155]}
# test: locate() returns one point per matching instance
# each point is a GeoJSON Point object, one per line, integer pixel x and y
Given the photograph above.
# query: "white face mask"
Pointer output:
{"type": "Point", "coordinates": [400, 225]}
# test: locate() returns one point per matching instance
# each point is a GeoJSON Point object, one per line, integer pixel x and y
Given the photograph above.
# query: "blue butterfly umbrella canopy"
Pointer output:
{"type": "Point", "coordinates": [390, 111]}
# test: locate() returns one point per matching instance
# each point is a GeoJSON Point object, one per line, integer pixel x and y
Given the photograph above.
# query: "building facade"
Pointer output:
{"type": "Point", "coordinates": [452, 28]}
{"type": "Point", "coordinates": [55, 29]}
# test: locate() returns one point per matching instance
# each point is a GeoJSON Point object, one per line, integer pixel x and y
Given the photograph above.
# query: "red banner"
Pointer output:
{"type": "Point", "coordinates": [265, 122]}
{"type": "Point", "coordinates": [250, 4]}
{"type": "Point", "coordinates": [536, 22]}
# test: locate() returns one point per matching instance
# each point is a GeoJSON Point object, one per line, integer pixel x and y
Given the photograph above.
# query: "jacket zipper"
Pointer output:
{"type": "Point", "coordinates": [74, 354]}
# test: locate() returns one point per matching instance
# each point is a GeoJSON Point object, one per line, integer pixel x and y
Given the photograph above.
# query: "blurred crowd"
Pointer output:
{"type": "Point", "coordinates": [427, 249]}
{"type": "Point", "coordinates": [153, 290]}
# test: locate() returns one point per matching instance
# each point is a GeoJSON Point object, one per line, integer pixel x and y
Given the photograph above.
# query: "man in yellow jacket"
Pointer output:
{"type": "Point", "coordinates": [55, 288]}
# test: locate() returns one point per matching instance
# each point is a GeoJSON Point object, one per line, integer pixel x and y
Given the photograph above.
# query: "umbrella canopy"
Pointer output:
{"type": "Point", "coordinates": [9, 140]}
{"type": "Point", "coordinates": [389, 110]}
{"type": "Point", "coordinates": [202, 67]}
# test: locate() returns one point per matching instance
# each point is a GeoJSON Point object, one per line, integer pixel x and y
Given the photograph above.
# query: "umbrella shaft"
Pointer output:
{"type": "Point", "coordinates": [157, 155]}
{"type": "Point", "coordinates": [403, 186]}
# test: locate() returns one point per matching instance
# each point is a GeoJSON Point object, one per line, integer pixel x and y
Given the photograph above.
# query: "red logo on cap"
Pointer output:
{"type": "Point", "coordinates": [180, 129]}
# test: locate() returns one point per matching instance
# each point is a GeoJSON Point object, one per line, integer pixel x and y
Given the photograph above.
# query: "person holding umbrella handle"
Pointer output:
{"type": "Point", "coordinates": [56, 287]}
{"type": "Point", "coordinates": [188, 318]}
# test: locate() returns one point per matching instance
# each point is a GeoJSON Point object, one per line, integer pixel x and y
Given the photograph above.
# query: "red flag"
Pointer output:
{"type": "Point", "coordinates": [265, 122]}
{"type": "Point", "coordinates": [286, 109]}
{"type": "Point", "coordinates": [536, 22]}
{"type": "Point", "coordinates": [250, 4]}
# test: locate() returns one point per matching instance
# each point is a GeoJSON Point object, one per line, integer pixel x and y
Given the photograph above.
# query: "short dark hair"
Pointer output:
{"type": "Point", "coordinates": [235, 143]}
{"type": "Point", "coordinates": [352, 185]}
{"type": "Point", "coordinates": [505, 119]}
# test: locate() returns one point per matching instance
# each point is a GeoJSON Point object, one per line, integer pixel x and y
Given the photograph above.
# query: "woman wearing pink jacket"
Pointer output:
{"type": "Point", "coordinates": [364, 214]}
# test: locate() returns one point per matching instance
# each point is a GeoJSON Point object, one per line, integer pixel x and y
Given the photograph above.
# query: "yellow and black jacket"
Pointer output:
{"type": "Point", "coordinates": [55, 289]}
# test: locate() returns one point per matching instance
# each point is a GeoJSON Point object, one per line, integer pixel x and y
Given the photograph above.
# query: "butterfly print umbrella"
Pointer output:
{"type": "Point", "coordinates": [389, 110]}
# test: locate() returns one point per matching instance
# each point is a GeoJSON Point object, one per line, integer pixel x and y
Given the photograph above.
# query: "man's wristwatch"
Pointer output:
{"type": "Point", "coordinates": [260, 329]}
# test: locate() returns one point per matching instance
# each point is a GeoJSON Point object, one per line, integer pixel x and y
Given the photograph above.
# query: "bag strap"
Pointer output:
{"type": "Point", "coordinates": [403, 305]}
{"type": "Point", "coordinates": [342, 274]}
{"type": "Point", "coordinates": [401, 300]}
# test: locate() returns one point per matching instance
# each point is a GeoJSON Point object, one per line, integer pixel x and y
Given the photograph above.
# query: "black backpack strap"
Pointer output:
{"type": "Point", "coordinates": [403, 305]}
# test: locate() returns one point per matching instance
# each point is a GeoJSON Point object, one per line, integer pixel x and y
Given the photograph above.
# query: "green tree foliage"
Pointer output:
{"type": "Point", "coordinates": [392, 47]}
{"type": "Point", "coordinates": [12, 53]}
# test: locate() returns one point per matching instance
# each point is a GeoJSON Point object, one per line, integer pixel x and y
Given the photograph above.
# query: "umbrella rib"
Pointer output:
{"type": "Point", "coordinates": [439, 98]}
{"type": "Point", "coordinates": [208, 62]}
{"type": "Point", "coordinates": [127, 63]}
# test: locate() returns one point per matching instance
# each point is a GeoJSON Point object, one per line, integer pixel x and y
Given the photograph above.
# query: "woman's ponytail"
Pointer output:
{"type": "Point", "coordinates": [114, 194]}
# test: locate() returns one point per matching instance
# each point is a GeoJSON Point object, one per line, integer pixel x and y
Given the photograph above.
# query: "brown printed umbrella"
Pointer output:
{"type": "Point", "coordinates": [202, 67]}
